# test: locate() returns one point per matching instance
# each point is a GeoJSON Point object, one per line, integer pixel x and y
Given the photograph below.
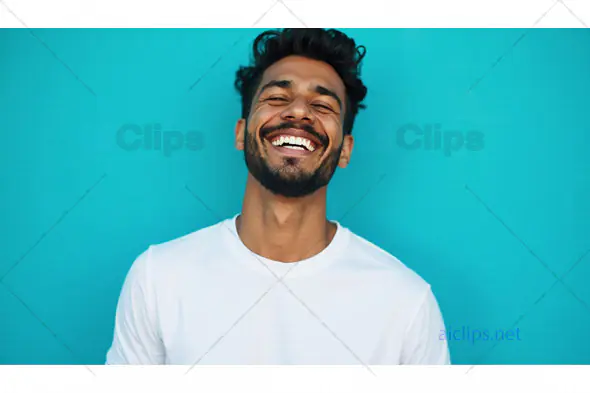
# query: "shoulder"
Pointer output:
{"type": "Point", "coordinates": [173, 257]}
{"type": "Point", "coordinates": [370, 258]}
{"type": "Point", "coordinates": [189, 243]}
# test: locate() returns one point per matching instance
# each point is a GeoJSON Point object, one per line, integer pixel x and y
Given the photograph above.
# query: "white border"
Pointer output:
{"type": "Point", "coordinates": [293, 13]}
{"type": "Point", "coordinates": [278, 379]}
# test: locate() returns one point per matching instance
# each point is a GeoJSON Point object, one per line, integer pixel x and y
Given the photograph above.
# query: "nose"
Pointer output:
{"type": "Point", "coordinates": [298, 110]}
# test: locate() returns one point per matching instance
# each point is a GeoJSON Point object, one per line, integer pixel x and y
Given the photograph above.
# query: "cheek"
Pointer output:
{"type": "Point", "coordinates": [260, 117]}
{"type": "Point", "coordinates": [333, 129]}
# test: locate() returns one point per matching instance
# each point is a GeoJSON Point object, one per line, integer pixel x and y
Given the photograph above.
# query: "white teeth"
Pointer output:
{"type": "Point", "coordinates": [283, 139]}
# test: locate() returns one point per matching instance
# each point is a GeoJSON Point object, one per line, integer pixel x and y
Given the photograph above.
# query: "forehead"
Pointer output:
{"type": "Point", "coordinates": [305, 73]}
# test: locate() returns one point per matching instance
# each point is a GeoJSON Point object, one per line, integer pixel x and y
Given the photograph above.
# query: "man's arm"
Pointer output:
{"type": "Point", "coordinates": [136, 339]}
{"type": "Point", "coordinates": [422, 344]}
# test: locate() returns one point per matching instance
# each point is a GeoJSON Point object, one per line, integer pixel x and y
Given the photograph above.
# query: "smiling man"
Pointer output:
{"type": "Point", "coordinates": [279, 283]}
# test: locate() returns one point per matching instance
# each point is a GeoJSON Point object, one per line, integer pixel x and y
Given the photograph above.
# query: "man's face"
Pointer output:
{"type": "Point", "coordinates": [293, 139]}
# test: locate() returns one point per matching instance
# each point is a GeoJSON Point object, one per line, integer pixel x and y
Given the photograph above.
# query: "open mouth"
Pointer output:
{"type": "Point", "coordinates": [293, 144]}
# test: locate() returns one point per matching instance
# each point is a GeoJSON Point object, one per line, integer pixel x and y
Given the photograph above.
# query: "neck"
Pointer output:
{"type": "Point", "coordinates": [284, 229]}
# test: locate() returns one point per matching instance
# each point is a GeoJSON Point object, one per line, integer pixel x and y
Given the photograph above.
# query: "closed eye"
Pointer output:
{"type": "Point", "coordinates": [282, 99]}
{"type": "Point", "coordinates": [276, 99]}
{"type": "Point", "coordinates": [323, 106]}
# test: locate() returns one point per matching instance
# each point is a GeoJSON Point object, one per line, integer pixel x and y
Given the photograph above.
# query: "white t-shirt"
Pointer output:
{"type": "Point", "coordinates": [205, 298]}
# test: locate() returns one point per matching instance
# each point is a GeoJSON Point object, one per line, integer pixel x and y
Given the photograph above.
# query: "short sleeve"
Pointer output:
{"type": "Point", "coordinates": [422, 343]}
{"type": "Point", "coordinates": [136, 339]}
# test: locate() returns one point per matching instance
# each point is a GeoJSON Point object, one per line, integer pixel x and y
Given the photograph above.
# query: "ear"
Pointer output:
{"type": "Point", "coordinates": [347, 145]}
{"type": "Point", "coordinates": [240, 133]}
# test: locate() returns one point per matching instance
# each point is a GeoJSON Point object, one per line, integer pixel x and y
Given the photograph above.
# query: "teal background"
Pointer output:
{"type": "Point", "coordinates": [500, 233]}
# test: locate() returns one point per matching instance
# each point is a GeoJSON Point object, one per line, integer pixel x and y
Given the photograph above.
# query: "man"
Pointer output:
{"type": "Point", "coordinates": [278, 283]}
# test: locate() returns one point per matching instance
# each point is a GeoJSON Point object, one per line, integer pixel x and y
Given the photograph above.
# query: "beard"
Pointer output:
{"type": "Point", "coordinates": [287, 179]}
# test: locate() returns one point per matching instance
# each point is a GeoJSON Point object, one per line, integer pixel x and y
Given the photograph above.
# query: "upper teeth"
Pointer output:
{"type": "Point", "coordinates": [292, 140]}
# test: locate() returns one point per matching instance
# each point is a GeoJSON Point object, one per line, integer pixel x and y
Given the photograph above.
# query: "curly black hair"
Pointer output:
{"type": "Point", "coordinates": [330, 46]}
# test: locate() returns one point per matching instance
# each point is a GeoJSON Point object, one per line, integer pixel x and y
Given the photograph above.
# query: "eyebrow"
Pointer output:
{"type": "Point", "coordinates": [287, 84]}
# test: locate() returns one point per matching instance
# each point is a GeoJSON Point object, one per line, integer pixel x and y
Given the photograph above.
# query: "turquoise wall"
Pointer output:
{"type": "Point", "coordinates": [493, 210]}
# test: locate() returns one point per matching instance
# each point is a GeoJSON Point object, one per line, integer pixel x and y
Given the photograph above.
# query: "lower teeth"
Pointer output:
{"type": "Point", "coordinates": [294, 147]}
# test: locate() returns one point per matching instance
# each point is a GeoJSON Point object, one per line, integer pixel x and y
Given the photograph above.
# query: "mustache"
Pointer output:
{"type": "Point", "coordinates": [285, 126]}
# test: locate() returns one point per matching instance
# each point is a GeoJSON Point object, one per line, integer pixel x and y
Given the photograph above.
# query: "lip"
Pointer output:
{"type": "Point", "coordinates": [296, 132]}
{"type": "Point", "coordinates": [291, 152]}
